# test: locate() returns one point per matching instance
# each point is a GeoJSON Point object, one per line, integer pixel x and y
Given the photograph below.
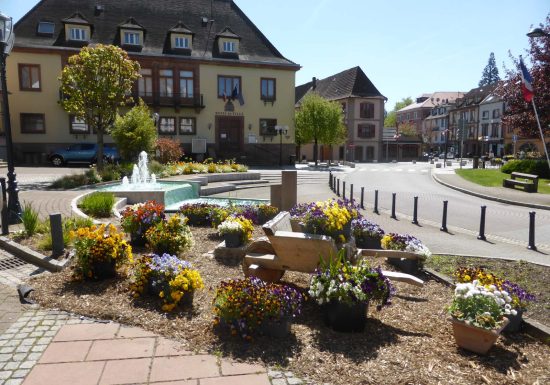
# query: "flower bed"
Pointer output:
{"type": "Point", "coordinates": [404, 242]}
{"type": "Point", "coordinates": [171, 236]}
{"type": "Point", "coordinates": [208, 166]}
{"type": "Point", "coordinates": [138, 218]}
{"type": "Point", "coordinates": [210, 214]}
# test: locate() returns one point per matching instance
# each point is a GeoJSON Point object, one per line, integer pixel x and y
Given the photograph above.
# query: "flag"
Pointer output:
{"type": "Point", "coordinates": [235, 92]}
{"type": "Point", "coordinates": [241, 99]}
{"type": "Point", "coordinates": [526, 82]}
{"type": "Point", "coordinates": [224, 97]}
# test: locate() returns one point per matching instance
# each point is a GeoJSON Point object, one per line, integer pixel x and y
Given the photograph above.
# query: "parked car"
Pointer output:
{"type": "Point", "coordinates": [450, 155]}
{"type": "Point", "coordinates": [83, 153]}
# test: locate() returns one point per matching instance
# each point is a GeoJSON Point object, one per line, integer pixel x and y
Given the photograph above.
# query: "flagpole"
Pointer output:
{"type": "Point", "coordinates": [540, 130]}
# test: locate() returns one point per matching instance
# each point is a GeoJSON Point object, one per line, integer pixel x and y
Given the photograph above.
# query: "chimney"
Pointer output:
{"type": "Point", "coordinates": [314, 83]}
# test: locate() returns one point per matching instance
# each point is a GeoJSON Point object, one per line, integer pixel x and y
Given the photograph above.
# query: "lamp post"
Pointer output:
{"type": "Point", "coordinates": [396, 137]}
{"type": "Point", "coordinates": [6, 43]}
{"type": "Point", "coordinates": [281, 130]}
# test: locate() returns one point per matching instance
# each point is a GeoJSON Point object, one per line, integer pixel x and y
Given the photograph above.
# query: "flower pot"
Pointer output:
{"type": "Point", "coordinates": [344, 317]}
{"type": "Point", "coordinates": [297, 225]}
{"type": "Point", "coordinates": [474, 339]}
{"type": "Point", "coordinates": [104, 269]}
{"type": "Point", "coordinates": [137, 240]}
{"type": "Point", "coordinates": [368, 243]}
{"type": "Point", "coordinates": [275, 328]}
{"type": "Point", "coordinates": [232, 239]}
{"type": "Point", "coordinates": [407, 266]}
{"type": "Point", "coordinates": [515, 322]}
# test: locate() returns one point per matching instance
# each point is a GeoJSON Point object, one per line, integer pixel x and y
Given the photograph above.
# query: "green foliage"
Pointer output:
{"type": "Point", "coordinates": [29, 217]}
{"type": "Point", "coordinates": [320, 121]}
{"type": "Point", "coordinates": [98, 204]}
{"type": "Point", "coordinates": [168, 150]}
{"type": "Point", "coordinates": [69, 224]}
{"type": "Point", "coordinates": [391, 118]}
{"type": "Point", "coordinates": [93, 176]}
{"type": "Point", "coordinates": [110, 173]}
{"type": "Point", "coordinates": [69, 182]}
{"type": "Point", "coordinates": [95, 83]}
{"type": "Point", "coordinates": [490, 72]}
{"type": "Point", "coordinates": [135, 132]}
{"type": "Point", "coordinates": [528, 166]}
{"type": "Point", "coordinates": [156, 167]}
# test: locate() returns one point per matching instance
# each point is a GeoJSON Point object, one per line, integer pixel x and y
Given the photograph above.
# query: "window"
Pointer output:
{"type": "Point", "coordinates": [267, 126]}
{"type": "Point", "coordinates": [495, 130]}
{"type": "Point", "coordinates": [77, 34]}
{"type": "Point", "coordinates": [167, 126]}
{"type": "Point", "coordinates": [407, 117]}
{"type": "Point", "coordinates": [78, 126]}
{"type": "Point", "coordinates": [496, 113]}
{"type": "Point", "coordinates": [229, 46]}
{"type": "Point", "coordinates": [29, 77]}
{"type": "Point", "coordinates": [228, 86]}
{"type": "Point", "coordinates": [366, 111]}
{"type": "Point", "coordinates": [186, 84]}
{"type": "Point", "coordinates": [46, 28]}
{"type": "Point", "coordinates": [415, 115]}
{"type": "Point", "coordinates": [267, 89]}
{"type": "Point", "coordinates": [188, 126]}
{"type": "Point", "coordinates": [182, 42]}
{"type": "Point", "coordinates": [485, 115]}
{"type": "Point", "coordinates": [166, 83]}
{"type": "Point", "coordinates": [366, 130]}
{"type": "Point", "coordinates": [131, 38]}
{"type": "Point", "coordinates": [33, 124]}
{"type": "Point", "coordinates": [484, 129]}
{"type": "Point", "coordinates": [145, 82]}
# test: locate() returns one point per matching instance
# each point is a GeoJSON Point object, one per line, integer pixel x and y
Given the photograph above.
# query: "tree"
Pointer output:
{"type": "Point", "coordinates": [391, 117]}
{"type": "Point", "coordinates": [319, 121]}
{"type": "Point", "coordinates": [518, 113]}
{"type": "Point", "coordinates": [490, 72]}
{"type": "Point", "coordinates": [95, 83]}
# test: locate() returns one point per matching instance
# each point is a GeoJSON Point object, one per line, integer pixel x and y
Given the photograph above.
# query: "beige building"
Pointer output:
{"type": "Point", "coordinates": [363, 109]}
{"type": "Point", "coordinates": [219, 86]}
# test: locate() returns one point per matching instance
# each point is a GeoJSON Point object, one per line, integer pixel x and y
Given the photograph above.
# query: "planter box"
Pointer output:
{"type": "Point", "coordinates": [475, 339]}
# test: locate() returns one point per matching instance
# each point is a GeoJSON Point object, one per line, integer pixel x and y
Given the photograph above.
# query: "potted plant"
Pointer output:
{"type": "Point", "coordinates": [297, 215]}
{"type": "Point", "coordinates": [367, 234]}
{"type": "Point", "coordinates": [236, 230]}
{"type": "Point", "coordinates": [99, 251]}
{"type": "Point", "coordinates": [171, 236]}
{"type": "Point", "coordinates": [406, 243]}
{"type": "Point", "coordinates": [168, 277]}
{"type": "Point", "coordinates": [345, 290]}
{"type": "Point", "coordinates": [520, 297]}
{"type": "Point", "coordinates": [332, 218]}
{"type": "Point", "coordinates": [477, 315]}
{"type": "Point", "coordinates": [251, 306]}
{"type": "Point", "coordinates": [138, 218]}
{"type": "Point", "coordinates": [201, 214]}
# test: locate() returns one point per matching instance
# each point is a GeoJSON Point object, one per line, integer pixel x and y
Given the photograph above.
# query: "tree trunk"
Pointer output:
{"type": "Point", "coordinates": [99, 149]}
{"type": "Point", "coordinates": [315, 151]}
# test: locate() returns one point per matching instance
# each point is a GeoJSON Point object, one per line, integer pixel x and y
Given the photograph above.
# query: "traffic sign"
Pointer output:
{"type": "Point", "coordinates": [514, 138]}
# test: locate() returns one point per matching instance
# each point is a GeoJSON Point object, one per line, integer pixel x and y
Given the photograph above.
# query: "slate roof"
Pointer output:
{"type": "Point", "coordinates": [475, 96]}
{"type": "Point", "coordinates": [439, 97]}
{"type": "Point", "coordinates": [347, 84]}
{"type": "Point", "coordinates": [156, 17]}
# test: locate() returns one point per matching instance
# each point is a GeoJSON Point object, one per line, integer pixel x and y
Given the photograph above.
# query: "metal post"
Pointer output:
{"type": "Point", "coordinates": [376, 202]}
{"type": "Point", "coordinates": [415, 211]}
{"type": "Point", "coordinates": [444, 220]}
{"type": "Point", "coordinates": [481, 235]}
{"type": "Point", "coordinates": [351, 193]}
{"type": "Point", "coordinates": [330, 179]}
{"type": "Point", "coordinates": [531, 245]}
{"type": "Point", "coordinates": [344, 190]}
{"type": "Point", "coordinates": [393, 206]}
{"type": "Point", "coordinates": [56, 229]}
{"type": "Point", "coordinates": [362, 197]}
{"type": "Point", "coordinates": [338, 187]}
{"type": "Point", "coordinates": [5, 212]}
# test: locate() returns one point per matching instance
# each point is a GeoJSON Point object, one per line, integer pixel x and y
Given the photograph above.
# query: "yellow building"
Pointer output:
{"type": "Point", "coordinates": [219, 86]}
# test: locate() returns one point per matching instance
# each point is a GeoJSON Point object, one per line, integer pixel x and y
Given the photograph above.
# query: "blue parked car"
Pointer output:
{"type": "Point", "coordinates": [83, 153]}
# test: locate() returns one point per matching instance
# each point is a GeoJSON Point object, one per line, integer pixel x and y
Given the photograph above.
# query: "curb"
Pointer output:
{"type": "Point", "coordinates": [489, 197]}
{"type": "Point", "coordinates": [533, 328]}
{"type": "Point", "coordinates": [31, 256]}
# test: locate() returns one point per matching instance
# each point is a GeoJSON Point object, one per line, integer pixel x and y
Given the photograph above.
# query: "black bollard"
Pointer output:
{"type": "Point", "coordinates": [531, 245]}
{"type": "Point", "coordinates": [415, 211]}
{"type": "Point", "coordinates": [375, 202]}
{"type": "Point", "coordinates": [481, 235]}
{"type": "Point", "coordinates": [338, 187]}
{"type": "Point", "coordinates": [330, 179]}
{"type": "Point", "coordinates": [334, 183]}
{"type": "Point", "coordinates": [5, 214]}
{"type": "Point", "coordinates": [344, 190]}
{"type": "Point", "coordinates": [351, 193]}
{"type": "Point", "coordinates": [362, 197]}
{"type": "Point", "coordinates": [393, 205]}
{"type": "Point", "coordinates": [444, 221]}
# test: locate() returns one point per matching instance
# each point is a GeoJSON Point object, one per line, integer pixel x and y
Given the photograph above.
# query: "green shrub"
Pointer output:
{"type": "Point", "coordinates": [168, 150]}
{"type": "Point", "coordinates": [508, 157]}
{"type": "Point", "coordinates": [156, 168]}
{"type": "Point", "coordinates": [528, 166]}
{"type": "Point", "coordinates": [70, 181]}
{"type": "Point", "coordinates": [69, 224]}
{"type": "Point", "coordinates": [98, 204]}
{"type": "Point", "coordinates": [110, 172]}
{"type": "Point", "coordinates": [93, 176]}
{"type": "Point", "coordinates": [29, 217]}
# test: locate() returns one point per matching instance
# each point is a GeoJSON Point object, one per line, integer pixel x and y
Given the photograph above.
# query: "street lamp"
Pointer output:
{"type": "Point", "coordinates": [6, 44]}
{"type": "Point", "coordinates": [396, 137]}
{"type": "Point", "coordinates": [281, 130]}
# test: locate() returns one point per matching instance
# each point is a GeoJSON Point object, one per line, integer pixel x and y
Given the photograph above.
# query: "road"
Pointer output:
{"type": "Point", "coordinates": [504, 223]}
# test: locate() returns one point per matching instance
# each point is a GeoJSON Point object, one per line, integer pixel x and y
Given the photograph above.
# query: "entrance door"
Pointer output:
{"type": "Point", "coordinates": [229, 135]}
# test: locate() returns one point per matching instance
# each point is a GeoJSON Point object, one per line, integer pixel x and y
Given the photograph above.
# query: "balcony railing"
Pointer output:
{"type": "Point", "coordinates": [176, 100]}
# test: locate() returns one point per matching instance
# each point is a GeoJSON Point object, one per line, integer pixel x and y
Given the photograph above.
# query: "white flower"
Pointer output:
{"type": "Point", "coordinates": [513, 312]}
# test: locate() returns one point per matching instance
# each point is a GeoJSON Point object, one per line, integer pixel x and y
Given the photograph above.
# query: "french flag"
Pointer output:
{"type": "Point", "coordinates": [526, 82]}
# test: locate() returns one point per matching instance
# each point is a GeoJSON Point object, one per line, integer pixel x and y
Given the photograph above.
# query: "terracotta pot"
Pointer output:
{"type": "Point", "coordinates": [474, 339]}
{"type": "Point", "coordinates": [232, 239]}
{"type": "Point", "coordinates": [345, 318]}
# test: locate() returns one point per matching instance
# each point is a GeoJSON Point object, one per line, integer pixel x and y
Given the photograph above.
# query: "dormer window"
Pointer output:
{"type": "Point", "coordinates": [132, 38]}
{"type": "Point", "coordinates": [181, 39]}
{"type": "Point", "coordinates": [181, 42]}
{"type": "Point", "coordinates": [77, 33]}
{"type": "Point", "coordinates": [228, 42]}
{"type": "Point", "coordinates": [46, 28]}
{"type": "Point", "coordinates": [132, 35]}
{"type": "Point", "coordinates": [229, 46]}
{"type": "Point", "coordinates": [77, 29]}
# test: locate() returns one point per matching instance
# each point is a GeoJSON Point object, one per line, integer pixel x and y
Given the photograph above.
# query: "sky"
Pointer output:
{"type": "Point", "coordinates": [406, 48]}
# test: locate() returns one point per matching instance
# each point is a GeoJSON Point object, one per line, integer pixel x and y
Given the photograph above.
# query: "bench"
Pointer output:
{"type": "Point", "coordinates": [269, 258]}
{"type": "Point", "coordinates": [530, 183]}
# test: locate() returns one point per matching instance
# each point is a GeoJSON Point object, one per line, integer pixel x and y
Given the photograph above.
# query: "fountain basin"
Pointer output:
{"type": "Point", "coordinates": [166, 193]}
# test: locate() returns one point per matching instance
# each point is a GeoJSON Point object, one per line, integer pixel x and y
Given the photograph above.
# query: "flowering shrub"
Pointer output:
{"type": "Point", "coordinates": [362, 228]}
{"type": "Point", "coordinates": [103, 244]}
{"type": "Point", "coordinates": [520, 297]}
{"type": "Point", "coordinates": [237, 224]}
{"type": "Point", "coordinates": [480, 306]}
{"type": "Point", "coordinates": [170, 236]}
{"type": "Point", "coordinates": [404, 242]}
{"type": "Point", "coordinates": [243, 304]}
{"type": "Point", "coordinates": [203, 214]}
{"type": "Point", "coordinates": [137, 219]}
{"type": "Point", "coordinates": [183, 168]}
{"type": "Point", "coordinates": [168, 150]}
{"type": "Point", "coordinates": [166, 276]}
{"type": "Point", "coordinates": [330, 218]}
{"type": "Point", "coordinates": [340, 280]}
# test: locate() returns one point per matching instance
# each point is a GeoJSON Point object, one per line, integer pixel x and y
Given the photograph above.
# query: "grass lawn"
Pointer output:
{"type": "Point", "coordinates": [494, 177]}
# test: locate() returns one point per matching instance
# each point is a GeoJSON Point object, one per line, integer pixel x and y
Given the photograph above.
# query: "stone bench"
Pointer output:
{"type": "Point", "coordinates": [530, 183]}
